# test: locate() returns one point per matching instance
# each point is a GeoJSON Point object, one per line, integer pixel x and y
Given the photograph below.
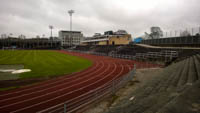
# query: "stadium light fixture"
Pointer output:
{"type": "Point", "coordinates": [51, 27]}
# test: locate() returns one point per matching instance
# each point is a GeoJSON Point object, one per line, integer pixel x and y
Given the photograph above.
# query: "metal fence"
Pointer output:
{"type": "Point", "coordinates": [165, 55]}
{"type": "Point", "coordinates": [81, 102]}
{"type": "Point", "coordinates": [179, 33]}
{"type": "Point", "coordinates": [183, 37]}
{"type": "Point", "coordinates": [130, 57]}
{"type": "Point", "coordinates": [122, 56]}
{"type": "Point", "coordinates": [185, 40]}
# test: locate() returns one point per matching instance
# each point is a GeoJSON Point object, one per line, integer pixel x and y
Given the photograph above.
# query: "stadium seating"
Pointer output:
{"type": "Point", "coordinates": [165, 92]}
{"type": "Point", "coordinates": [105, 48]}
{"type": "Point", "coordinates": [136, 52]}
{"type": "Point", "coordinates": [82, 48]}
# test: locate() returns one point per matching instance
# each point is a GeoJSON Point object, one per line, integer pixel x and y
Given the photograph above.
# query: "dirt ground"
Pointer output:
{"type": "Point", "coordinates": [141, 77]}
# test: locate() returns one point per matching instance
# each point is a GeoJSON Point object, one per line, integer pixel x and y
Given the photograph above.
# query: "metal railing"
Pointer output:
{"type": "Point", "coordinates": [165, 55]}
{"type": "Point", "coordinates": [114, 55]}
{"type": "Point", "coordinates": [131, 57]}
{"type": "Point", "coordinates": [82, 101]}
{"type": "Point", "coordinates": [179, 33]}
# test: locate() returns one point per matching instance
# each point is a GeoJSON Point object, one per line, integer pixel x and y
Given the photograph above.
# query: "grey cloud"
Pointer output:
{"type": "Point", "coordinates": [31, 17]}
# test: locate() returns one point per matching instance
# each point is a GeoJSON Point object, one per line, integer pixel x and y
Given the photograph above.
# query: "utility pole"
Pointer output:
{"type": "Point", "coordinates": [70, 14]}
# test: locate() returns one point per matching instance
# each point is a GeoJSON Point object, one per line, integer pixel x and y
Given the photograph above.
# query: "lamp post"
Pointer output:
{"type": "Point", "coordinates": [51, 38]}
{"type": "Point", "coordinates": [70, 14]}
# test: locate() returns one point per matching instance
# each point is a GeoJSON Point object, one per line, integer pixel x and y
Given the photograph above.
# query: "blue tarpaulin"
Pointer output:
{"type": "Point", "coordinates": [137, 40]}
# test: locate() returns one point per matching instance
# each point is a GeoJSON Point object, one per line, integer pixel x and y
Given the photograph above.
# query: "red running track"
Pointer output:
{"type": "Point", "coordinates": [34, 98]}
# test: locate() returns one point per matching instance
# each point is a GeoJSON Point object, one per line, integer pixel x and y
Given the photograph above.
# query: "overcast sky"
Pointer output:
{"type": "Point", "coordinates": [32, 17]}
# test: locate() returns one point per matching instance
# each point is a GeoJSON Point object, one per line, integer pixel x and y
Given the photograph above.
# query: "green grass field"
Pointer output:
{"type": "Point", "coordinates": [44, 63]}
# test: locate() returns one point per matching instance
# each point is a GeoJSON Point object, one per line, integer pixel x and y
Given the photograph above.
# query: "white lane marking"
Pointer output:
{"type": "Point", "coordinates": [38, 85]}
{"type": "Point", "coordinates": [46, 88]}
{"type": "Point", "coordinates": [68, 92]}
{"type": "Point", "coordinates": [118, 75]}
{"type": "Point", "coordinates": [55, 106]}
{"type": "Point", "coordinates": [73, 98]}
{"type": "Point", "coordinates": [45, 84]}
{"type": "Point", "coordinates": [44, 94]}
{"type": "Point", "coordinates": [91, 84]}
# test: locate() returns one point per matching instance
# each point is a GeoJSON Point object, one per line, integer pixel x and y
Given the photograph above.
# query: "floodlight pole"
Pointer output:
{"type": "Point", "coordinates": [51, 38]}
{"type": "Point", "coordinates": [51, 27]}
{"type": "Point", "coordinates": [51, 32]}
{"type": "Point", "coordinates": [70, 14]}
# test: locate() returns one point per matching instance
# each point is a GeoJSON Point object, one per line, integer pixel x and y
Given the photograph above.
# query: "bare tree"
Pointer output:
{"type": "Point", "coordinates": [185, 33]}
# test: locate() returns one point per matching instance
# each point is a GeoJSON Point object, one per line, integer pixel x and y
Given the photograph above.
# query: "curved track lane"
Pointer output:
{"type": "Point", "coordinates": [44, 95]}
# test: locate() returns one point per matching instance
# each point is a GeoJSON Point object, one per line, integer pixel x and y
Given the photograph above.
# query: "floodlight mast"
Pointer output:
{"type": "Point", "coordinates": [51, 27]}
{"type": "Point", "coordinates": [70, 14]}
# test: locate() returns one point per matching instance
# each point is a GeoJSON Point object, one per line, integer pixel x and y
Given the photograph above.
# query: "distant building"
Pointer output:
{"type": "Point", "coordinates": [108, 33]}
{"type": "Point", "coordinates": [121, 32]}
{"type": "Point", "coordinates": [70, 38]}
{"type": "Point", "coordinates": [97, 34]}
{"type": "Point", "coordinates": [121, 37]}
{"type": "Point", "coordinates": [156, 33]}
{"type": "Point", "coordinates": [32, 43]}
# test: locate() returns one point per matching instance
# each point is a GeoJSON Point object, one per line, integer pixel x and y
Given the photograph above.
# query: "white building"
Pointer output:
{"type": "Point", "coordinates": [70, 38]}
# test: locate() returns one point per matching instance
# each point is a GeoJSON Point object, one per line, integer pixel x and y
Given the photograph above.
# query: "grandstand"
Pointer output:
{"type": "Point", "coordinates": [168, 91]}
{"type": "Point", "coordinates": [174, 90]}
{"type": "Point", "coordinates": [120, 37]}
{"type": "Point", "coordinates": [136, 52]}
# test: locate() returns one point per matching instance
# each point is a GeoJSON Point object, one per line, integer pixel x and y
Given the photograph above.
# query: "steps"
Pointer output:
{"type": "Point", "coordinates": [164, 89]}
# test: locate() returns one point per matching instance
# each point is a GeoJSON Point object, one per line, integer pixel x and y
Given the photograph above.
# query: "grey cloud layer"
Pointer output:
{"type": "Point", "coordinates": [32, 17]}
